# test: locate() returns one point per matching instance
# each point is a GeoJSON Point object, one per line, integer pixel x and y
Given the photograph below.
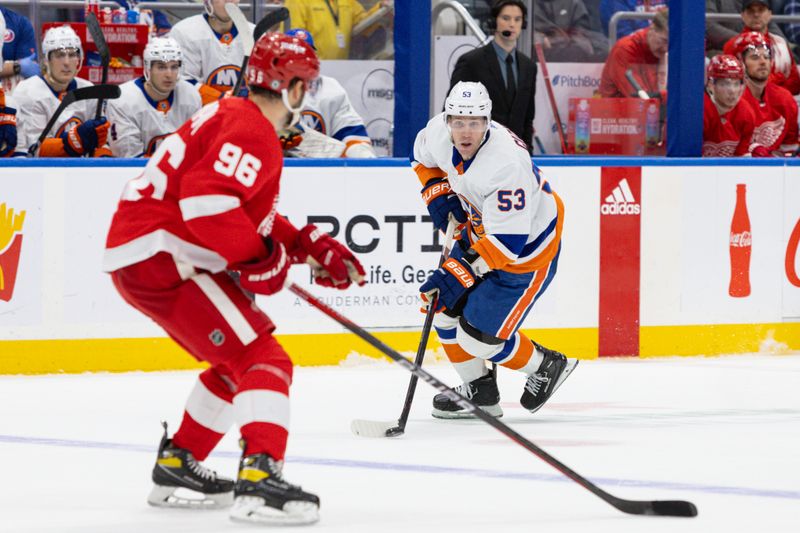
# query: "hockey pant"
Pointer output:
{"type": "Point", "coordinates": [211, 318]}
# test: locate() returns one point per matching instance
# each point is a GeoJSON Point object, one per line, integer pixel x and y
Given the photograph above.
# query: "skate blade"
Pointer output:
{"type": "Point", "coordinates": [371, 428]}
{"type": "Point", "coordinates": [251, 509]}
{"type": "Point", "coordinates": [183, 498]}
{"type": "Point", "coordinates": [493, 410]}
{"type": "Point", "coordinates": [571, 364]}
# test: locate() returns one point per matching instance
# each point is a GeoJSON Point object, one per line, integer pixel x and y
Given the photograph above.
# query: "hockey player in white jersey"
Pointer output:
{"type": "Point", "coordinates": [212, 51]}
{"type": "Point", "coordinates": [327, 110]}
{"type": "Point", "coordinates": [76, 132]}
{"type": "Point", "coordinates": [153, 106]}
{"type": "Point", "coordinates": [479, 173]}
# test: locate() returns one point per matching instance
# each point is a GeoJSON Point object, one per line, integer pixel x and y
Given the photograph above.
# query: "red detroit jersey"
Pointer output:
{"type": "Point", "coordinates": [206, 196]}
{"type": "Point", "coordinates": [776, 118]}
{"type": "Point", "coordinates": [730, 134]}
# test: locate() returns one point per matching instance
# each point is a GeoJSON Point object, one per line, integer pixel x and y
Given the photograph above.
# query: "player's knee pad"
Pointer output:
{"type": "Point", "coordinates": [264, 354]}
{"type": "Point", "coordinates": [475, 342]}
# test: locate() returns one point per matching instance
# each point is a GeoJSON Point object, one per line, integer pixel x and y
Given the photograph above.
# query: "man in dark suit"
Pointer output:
{"type": "Point", "coordinates": [509, 75]}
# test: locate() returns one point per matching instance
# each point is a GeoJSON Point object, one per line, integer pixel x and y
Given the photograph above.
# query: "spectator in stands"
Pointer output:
{"type": "Point", "coordinates": [19, 50]}
{"type": "Point", "coordinates": [508, 75]}
{"type": "Point", "coordinates": [212, 53]}
{"type": "Point", "coordinates": [774, 106]}
{"type": "Point", "coordinates": [327, 110]}
{"type": "Point", "coordinates": [153, 106]}
{"type": "Point", "coordinates": [718, 33]}
{"type": "Point", "coordinates": [331, 22]}
{"type": "Point", "coordinates": [757, 15]}
{"type": "Point", "coordinates": [728, 120]}
{"type": "Point", "coordinates": [8, 114]}
{"type": "Point", "coordinates": [627, 26]}
{"type": "Point", "coordinates": [640, 53]}
{"type": "Point", "coordinates": [564, 29]}
{"type": "Point", "coordinates": [76, 132]}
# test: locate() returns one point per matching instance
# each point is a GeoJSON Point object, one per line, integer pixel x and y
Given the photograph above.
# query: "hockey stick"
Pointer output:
{"type": "Point", "coordinates": [375, 428]}
{"type": "Point", "coordinates": [637, 507]}
{"type": "Point", "coordinates": [105, 54]}
{"type": "Point", "coordinates": [106, 92]}
{"type": "Point", "coordinates": [641, 93]}
{"type": "Point", "coordinates": [248, 40]}
{"type": "Point", "coordinates": [551, 97]}
{"type": "Point", "coordinates": [99, 39]}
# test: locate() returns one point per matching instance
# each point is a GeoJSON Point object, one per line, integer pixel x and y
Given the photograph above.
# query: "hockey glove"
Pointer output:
{"type": "Point", "coordinates": [442, 202]}
{"type": "Point", "coordinates": [338, 267]}
{"type": "Point", "coordinates": [8, 130]}
{"type": "Point", "coordinates": [268, 275]}
{"type": "Point", "coordinates": [290, 137]}
{"type": "Point", "coordinates": [453, 279]}
{"type": "Point", "coordinates": [28, 66]}
{"type": "Point", "coordinates": [85, 137]}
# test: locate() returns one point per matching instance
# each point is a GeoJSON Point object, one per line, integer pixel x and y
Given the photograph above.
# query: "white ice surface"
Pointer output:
{"type": "Point", "coordinates": [76, 451]}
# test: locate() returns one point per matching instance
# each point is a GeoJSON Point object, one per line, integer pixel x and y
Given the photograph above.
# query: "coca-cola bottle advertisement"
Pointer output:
{"type": "Point", "coordinates": [741, 243]}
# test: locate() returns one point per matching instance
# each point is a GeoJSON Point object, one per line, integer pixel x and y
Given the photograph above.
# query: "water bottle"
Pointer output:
{"type": "Point", "coordinates": [652, 126]}
{"type": "Point", "coordinates": [582, 133]}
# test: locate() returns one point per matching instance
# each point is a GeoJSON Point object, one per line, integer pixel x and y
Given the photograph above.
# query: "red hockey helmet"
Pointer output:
{"type": "Point", "coordinates": [277, 59]}
{"type": "Point", "coordinates": [725, 66]}
{"type": "Point", "coordinates": [750, 40]}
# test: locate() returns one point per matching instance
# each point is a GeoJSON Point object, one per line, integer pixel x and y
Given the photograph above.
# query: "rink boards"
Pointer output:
{"type": "Point", "coordinates": [644, 270]}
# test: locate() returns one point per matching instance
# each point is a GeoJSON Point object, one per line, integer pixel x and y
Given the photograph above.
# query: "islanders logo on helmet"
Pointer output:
{"type": "Point", "coordinates": [302, 34]}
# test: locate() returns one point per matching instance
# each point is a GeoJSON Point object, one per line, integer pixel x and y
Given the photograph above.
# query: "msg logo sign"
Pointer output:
{"type": "Point", "coordinates": [10, 246]}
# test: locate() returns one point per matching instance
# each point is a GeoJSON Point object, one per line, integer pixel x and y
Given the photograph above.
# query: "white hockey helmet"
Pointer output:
{"type": "Point", "coordinates": [60, 38]}
{"type": "Point", "coordinates": [161, 49]}
{"type": "Point", "coordinates": [468, 98]}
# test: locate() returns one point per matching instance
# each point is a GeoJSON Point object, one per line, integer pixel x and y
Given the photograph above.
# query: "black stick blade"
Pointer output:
{"type": "Point", "coordinates": [99, 39]}
{"type": "Point", "coordinates": [96, 92]}
{"type": "Point", "coordinates": [270, 19]}
{"type": "Point", "coordinates": [674, 508]}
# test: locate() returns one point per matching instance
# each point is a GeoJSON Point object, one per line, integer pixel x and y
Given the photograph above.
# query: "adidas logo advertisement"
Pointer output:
{"type": "Point", "coordinates": [621, 201]}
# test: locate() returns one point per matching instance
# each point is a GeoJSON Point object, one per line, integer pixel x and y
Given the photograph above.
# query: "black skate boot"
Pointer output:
{"type": "Point", "coordinates": [551, 374]}
{"type": "Point", "coordinates": [482, 391]}
{"type": "Point", "coordinates": [263, 496]}
{"type": "Point", "coordinates": [176, 469]}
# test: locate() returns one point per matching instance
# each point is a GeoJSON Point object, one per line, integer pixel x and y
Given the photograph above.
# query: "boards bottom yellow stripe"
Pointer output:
{"type": "Point", "coordinates": [150, 354]}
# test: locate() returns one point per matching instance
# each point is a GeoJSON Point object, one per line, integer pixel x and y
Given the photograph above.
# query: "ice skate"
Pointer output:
{"type": "Point", "coordinates": [482, 391]}
{"type": "Point", "coordinates": [262, 495]}
{"type": "Point", "coordinates": [181, 481]}
{"type": "Point", "coordinates": [540, 386]}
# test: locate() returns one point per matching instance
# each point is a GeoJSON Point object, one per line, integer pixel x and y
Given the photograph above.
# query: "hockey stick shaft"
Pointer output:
{"type": "Point", "coordinates": [551, 97]}
{"type": "Point", "coordinates": [426, 331]}
{"type": "Point", "coordinates": [105, 54]}
{"type": "Point", "coordinates": [663, 508]}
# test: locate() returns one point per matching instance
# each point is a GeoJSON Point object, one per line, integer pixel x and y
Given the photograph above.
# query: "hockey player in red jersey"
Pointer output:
{"type": "Point", "coordinates": [206, 203]}
{"type": "Point", "coordinates": [728, 121]}
{"type": "Point", "coordinates": [774, 106]}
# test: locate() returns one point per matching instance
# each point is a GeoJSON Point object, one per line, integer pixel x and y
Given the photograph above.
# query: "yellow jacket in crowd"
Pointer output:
{"type": "Point", "coordinates": [330, 23]}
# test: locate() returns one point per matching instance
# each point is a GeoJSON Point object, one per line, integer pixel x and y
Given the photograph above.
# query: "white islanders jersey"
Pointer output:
{"type": "Point", "coordinates": [36, 102]}
{"type": "Point", "coordinates": [139, 123]}
{"type": "Point", "coordinates": [515, 218]}
{"type": "Point", "coordinates": [209, 57]}
{"type": "Point", "coordinates": [327, 109]}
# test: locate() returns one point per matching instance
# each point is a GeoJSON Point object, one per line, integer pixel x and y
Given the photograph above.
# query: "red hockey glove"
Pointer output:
{"type": "Point", "coordinates": [761, 151]}
{"type": "Point", "coordinates": [338, 267]}
{"type": "Point", "coordinates": [268, 275]}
